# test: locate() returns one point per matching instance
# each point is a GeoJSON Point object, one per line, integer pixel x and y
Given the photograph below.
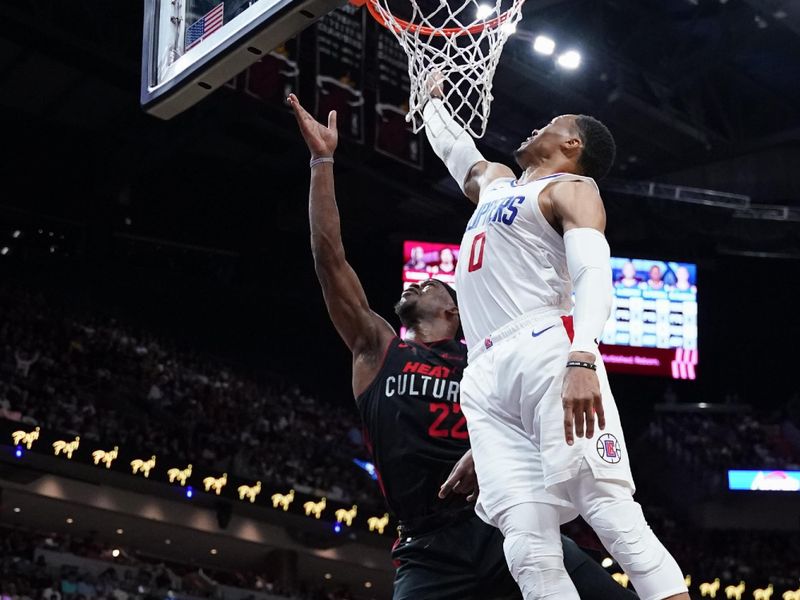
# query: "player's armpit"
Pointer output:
{"type": "Point", "coordinates": [481, 175]}
{"type": "Point", "coordinates": [577, 204]}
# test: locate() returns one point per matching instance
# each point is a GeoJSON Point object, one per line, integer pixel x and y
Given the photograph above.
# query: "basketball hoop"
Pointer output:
{"type": "Point", "coordinates": [458, 40]}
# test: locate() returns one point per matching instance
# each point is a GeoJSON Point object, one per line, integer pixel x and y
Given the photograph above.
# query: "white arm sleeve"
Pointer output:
{"type": "Point", "coordinates": [589, 265]}
{"type": "Point", "coordinates": [450, 142]}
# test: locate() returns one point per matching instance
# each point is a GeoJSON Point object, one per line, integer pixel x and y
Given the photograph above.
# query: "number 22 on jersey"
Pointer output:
{"type": "Point", "coordinates": [439, 429]}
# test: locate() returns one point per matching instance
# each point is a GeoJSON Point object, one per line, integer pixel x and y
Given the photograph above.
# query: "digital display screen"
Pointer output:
{"type": "Point", "coordinates": [652, 329]}
{"type": "Point", "coordinates": [764, 481]}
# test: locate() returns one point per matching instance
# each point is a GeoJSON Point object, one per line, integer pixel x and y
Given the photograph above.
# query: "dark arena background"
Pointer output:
{"type": "Point", "coordinates": [160, 313]}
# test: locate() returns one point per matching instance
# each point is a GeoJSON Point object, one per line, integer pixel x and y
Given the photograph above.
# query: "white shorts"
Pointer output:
{"type": "Point", "coordinates": [511, 397]}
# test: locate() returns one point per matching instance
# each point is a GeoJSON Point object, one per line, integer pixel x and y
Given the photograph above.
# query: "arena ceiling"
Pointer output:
{"type": "Point", "coordinates": [698, 92]}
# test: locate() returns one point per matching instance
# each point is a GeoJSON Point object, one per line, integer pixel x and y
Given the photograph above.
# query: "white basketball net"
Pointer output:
{"type": "Point", "coordinates": [462, 40]}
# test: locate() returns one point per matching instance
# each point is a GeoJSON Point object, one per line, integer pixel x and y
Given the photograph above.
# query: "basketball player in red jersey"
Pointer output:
{"type": "Point", "coordinates": [536, 382]}
{"type": "Point", "coordinates": [407, 392]}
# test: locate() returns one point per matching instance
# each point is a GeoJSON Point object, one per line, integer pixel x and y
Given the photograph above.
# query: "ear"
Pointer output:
{"type": "Point", "coordinates": [452, 311]}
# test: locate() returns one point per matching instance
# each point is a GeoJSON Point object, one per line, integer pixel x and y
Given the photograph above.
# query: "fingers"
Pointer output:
{"type": "Point", "coordinates": [568, 421]}
{"type": "Point", "coordinates": [589, 416]}
{"type": "Point", "coordinates": [332, 120]}
{"type": "Point", "coordinates": [601, 416]}
{"type": "Point", "coordinates": [579, 420]}
{"type": "Point", "coordinates": [449, 484]}
{"type": "Point", "coordinates": [297, 109]}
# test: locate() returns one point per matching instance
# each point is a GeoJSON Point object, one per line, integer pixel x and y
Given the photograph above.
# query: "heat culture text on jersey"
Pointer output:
{"type": "Point", "coordinates": [414, 425]}
{"type": "Point", "coordinates": [422, 379]}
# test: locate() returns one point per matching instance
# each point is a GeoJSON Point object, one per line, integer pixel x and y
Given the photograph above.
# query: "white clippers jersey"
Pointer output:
{"type": "Point", "coordinates": [511, 260]}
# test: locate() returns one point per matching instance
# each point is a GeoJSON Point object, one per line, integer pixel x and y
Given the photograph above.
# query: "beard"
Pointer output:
{"type": "Point", "coordinates": [409, 313]}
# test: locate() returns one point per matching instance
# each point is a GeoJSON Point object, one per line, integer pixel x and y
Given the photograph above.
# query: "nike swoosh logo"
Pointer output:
{"type": "Point", "coordinates": [538, 333]}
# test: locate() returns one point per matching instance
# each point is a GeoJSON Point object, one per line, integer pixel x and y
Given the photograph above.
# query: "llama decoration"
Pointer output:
{"type": "Point", "coordinates": [145, 466]}
{"type": "Point", "coordinates": [734, 592]}
{"type": "Point", "coordinates": [25, 437]}
{"type": "Point", "coordinates": [249, 492]}
{"type": "Point", "coordinates": [315, 508]}
{"type": "Point", "coordinates": [763, 593]}
{"type": "Point", "coordinates": [215, 483]}
{"type": "Point", "coordinates": [282, 500]}
{"type": "Point", "coordinates": [105, 456]}
{"type": "Point", "coordinates": [66, 447]}
{"type": "Point", "coordinates": [378, 523]}
{"type": "Point", "coordinates": [179, 475]}
{"type": "Point", "coordinates": [346, 516]}
{"type": "Point", "coordinates": [709, 589]}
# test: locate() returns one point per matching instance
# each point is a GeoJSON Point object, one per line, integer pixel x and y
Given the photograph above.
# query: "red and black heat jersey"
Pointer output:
{"type": "Point", "coordinates": [415, 429]}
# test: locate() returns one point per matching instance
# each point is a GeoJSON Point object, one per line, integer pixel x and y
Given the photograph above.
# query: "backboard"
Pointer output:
{"type": "Point", "coordinates": [192, 47]}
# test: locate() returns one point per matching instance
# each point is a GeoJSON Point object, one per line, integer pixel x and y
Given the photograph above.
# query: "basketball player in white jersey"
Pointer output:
{"type": "Point", "coordinates": [536, 380]}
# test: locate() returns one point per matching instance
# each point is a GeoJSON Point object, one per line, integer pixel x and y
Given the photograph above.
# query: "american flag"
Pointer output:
{"type": "Point", "coordinates": [204, 26]}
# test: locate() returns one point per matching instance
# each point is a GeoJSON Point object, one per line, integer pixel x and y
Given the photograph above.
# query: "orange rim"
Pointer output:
{"type": "Point", "coordinates": [422, 29]}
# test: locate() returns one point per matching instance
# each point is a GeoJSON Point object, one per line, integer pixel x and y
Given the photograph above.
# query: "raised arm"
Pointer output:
{"type": "Point", "coordinates": [364, 332]}
{"type": "Point", "coordinates": [451, 143]}
{"type": "Point", "coordinates": [578, 210]}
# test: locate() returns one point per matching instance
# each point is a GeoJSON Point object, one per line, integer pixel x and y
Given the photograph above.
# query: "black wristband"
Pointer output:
{"type": "Point", "coordinates": [580, 363]}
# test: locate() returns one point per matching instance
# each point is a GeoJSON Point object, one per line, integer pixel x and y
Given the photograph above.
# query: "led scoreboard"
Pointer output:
{"type": "Point", "coordinates": [652, 329]}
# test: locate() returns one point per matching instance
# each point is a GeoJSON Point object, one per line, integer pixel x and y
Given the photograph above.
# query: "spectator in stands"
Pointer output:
{"type": "Point", "coordinates": [683, 282]}
{"type": "Point", "coordinates": [655, 282]}
{"type": "Point", "coordinates": [416, 261]}
{"type": "Point", "coordinates": [447, 263]}
{"type": "Point", "coordinates": [628, 276]}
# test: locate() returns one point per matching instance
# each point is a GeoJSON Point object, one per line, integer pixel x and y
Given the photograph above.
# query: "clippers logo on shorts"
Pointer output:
{"type": "Point", "coordinates": [608, 448]}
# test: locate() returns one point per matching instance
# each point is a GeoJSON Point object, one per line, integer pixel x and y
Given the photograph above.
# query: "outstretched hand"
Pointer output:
{"type": "Point", "coordinates": [434, 84]}
{"type": "Point", "coordinates": [321, 140]}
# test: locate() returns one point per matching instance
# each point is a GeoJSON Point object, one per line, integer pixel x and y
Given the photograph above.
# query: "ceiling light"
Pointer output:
{"type": "Point", "coordinates": [544, 45]}
{"type": "Point", "coordinates": [70, 521]}
{"type": "Point", "coordinates": [509, 28]}
{"type": "Point", "coordinates": [367, 584]}
{"type": "Point", "coordinates": [214, 551]}
{"type": "Point", "coordinates": [17, 509]}
{"type": "Point", "coordinates": [328, 576]}
{"type": "Point", "coordinates": [167, 541]}
{"type": "Point", "coordinates": [483, 11]}
{"type": "Point", "coordinates": [120, 532]}
{"type": "Point", "coordinates": [115, 553]}
{"type": "Point", "coordinates": [569, 60]}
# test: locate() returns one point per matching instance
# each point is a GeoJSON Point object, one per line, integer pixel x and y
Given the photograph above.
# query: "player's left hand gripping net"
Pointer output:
{"type": "Point", "coordinates": [460, 41]}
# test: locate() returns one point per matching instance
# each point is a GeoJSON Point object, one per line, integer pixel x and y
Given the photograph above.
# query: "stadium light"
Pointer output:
{"type": "Point", "coordinates": [544, 45]}
{"type": "Point", "coordinates": [483, 11]}
{"type": "Point", "coordinates": [509, 28]}
{"type": "Point", "coordinates": [570, 59]}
